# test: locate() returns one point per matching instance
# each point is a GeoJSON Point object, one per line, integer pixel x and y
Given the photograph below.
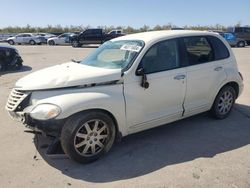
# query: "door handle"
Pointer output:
{"type": "Point", "coordinates": [180, 77]}
{"type": "Point", "coordinates": [218, 69]}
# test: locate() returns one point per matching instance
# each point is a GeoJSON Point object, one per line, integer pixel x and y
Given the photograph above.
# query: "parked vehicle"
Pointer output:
{"type": "Point", "coordinates": [129, 84]}
{"type": "Point", "coordinates": [116, 32]}
{"type": "Point", "coordinates": [25, 38]}
{"type": "Point", "coordinates": [233, 40]}
{"type": "Point", "coordinates": [241, 32]}
{"type": "Point", "coordinates": [9, 59]}
{"type": "Point", "coordinates": [62, 39]}
{"type": "Point", "coordinates": [46, 36]}
{"type": "Point", "coordinates": [93, 36]}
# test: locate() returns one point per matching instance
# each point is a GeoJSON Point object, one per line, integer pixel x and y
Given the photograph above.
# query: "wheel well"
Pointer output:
{"type": "Point", "coordinates": [235, 86]}
{"type": "Point", "coordinates": [118, 133]}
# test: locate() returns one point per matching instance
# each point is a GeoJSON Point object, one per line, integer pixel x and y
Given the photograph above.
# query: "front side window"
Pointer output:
{"type": "Point", "coordinates": [161, 57]}
{"type": "Point", "coordinates": [198, 50]}
{"type": "Point", "coordinates": [114, 54]}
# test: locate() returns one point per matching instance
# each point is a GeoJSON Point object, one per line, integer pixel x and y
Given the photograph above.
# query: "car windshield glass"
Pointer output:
{"type": "Point", "coordinates": [114, 54]}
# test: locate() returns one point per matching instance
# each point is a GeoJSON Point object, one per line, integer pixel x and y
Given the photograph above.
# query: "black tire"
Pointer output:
{"type": "Point", "coordinates": [78, 148]}
{"type": "Point", "coordinates": [223, 106]}
{"type": "Point", "coordinates": [11, 42]}
{"type": "Point", "coordinates": [241, 44]}
{"type": "Point", "coordinates": [51, 43]}
{"type": "Point", "coordinates": [32, 42]}
{"type": "Point", "coordinates": [75, 44]}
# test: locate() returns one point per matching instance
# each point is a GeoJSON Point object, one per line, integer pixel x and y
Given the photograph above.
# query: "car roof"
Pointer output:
{"type": "Point", "coordinates": [5, 46]}
{"type": "Point", "coordinates": [157, 35]}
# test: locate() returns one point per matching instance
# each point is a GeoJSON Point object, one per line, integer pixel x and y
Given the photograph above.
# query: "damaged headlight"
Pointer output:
{"type": "Point", "coordinates": [45, 111]}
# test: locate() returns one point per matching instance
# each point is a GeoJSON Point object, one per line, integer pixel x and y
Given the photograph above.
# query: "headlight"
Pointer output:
{"type": "Point", "coordinates": [45, 111]}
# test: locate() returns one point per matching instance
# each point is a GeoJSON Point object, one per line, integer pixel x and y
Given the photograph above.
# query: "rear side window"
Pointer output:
{"type": "Point", "coordinates": [220, 50]}
{"type": "Point", "coordinates": [198, 50]}
{"type": "Point", "coordinates": [161, 57]}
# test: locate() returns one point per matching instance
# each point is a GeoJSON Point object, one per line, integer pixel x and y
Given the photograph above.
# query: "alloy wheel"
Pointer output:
{"type": "Point", "coordinates": [91, 137]}
{"type": "Point", "coordinates": [225, 102]}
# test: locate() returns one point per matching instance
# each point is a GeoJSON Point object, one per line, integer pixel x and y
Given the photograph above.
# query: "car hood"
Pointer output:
{"type": "Point", "coordinates": [67, 75]}
{"type": "Point", "coordinates": [11, 38]}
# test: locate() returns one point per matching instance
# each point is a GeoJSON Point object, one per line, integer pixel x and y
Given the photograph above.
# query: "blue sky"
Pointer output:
{"type": "Point", "coordinates": [135, 13]}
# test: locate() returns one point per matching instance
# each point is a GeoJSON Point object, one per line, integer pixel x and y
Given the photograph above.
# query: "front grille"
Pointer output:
{"type": "Point", "coordinates": [15, 98]}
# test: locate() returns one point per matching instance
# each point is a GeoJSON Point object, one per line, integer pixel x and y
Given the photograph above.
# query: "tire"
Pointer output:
{"type": "Point", "coordinates": [75, 44]}
{"type": "Point", "coordinates": [241, 44]}
{"type": "Point", "coordinates": [224, 102]}
{"type": "Point", "coordinates": [51, 43]}
{"type": "Point", "coordinates": [32, 42]}
{"type": "Point", "coordinates": [87, 136]}
{"type": "Point", "coordinates": [11, 42]}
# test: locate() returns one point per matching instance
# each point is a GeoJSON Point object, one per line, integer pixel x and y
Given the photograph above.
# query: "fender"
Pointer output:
{"type": "Point", "coordinates": [73, 100]}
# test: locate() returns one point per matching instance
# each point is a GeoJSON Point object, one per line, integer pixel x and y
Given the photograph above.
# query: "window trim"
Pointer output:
{"type": "Point", "coordinates": [180, 56]}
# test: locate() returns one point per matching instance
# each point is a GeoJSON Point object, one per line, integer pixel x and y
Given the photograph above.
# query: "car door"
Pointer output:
{"type": "Point", "coordinates": [61, 39]}
{"type": "Point", "coordinates": [162, 101]}
{"type": "Point", "coordinates": [27, 38]}
{"type": "Point", "coordinates": [204, 73]}
{"type": "Point", "coordinates": [19, 39]}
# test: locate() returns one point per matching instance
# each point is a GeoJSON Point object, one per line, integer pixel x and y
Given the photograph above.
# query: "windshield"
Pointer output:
{"type": "Point", "coordinates": [114, 54]}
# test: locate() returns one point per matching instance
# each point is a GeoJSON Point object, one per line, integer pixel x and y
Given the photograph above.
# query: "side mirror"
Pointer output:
{"type": "Point", "coordinates": [144, 81]}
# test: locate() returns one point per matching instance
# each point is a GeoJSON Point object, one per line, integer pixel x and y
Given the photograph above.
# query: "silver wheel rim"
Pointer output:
{"type": "Point", "coordinates": [91, 137]}
{"type": "Point", "coordinates": [225, 102]}
{"type": "Point", "coordinates": [75, 44]}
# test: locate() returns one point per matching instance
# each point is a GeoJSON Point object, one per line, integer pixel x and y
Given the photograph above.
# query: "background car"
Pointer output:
{"type": "Point", "coordinates": [25, 38]}
{"type": "Point", "coordinates": [241, 32]}
{"type": "Point", "coordinates": [9, 58]}
{"type": "Point", "coordinates": [233, 40]}
{"type": "Point", "coordinates": [62, 39]}
{"type": "Point", "coordinates": [94, 36]}
{"type": "Point", "coordinates": [46, 36]}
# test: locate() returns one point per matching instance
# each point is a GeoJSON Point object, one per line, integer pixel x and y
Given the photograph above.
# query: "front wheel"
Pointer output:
{"type": "Point", "coordinates": [11, 42]}
{"type": "Point", "coordinates": [224, 102]}
{"type": "Point", "coordinates": [75, 44]}
{"type": "Point", "coordinates": [51, 42]}
{"type": "Point", "coordinates": [86, 136]}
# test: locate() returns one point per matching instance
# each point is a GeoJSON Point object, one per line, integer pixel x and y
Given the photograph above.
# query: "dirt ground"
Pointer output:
{"type": "Point", "coordinates": [194, 152]}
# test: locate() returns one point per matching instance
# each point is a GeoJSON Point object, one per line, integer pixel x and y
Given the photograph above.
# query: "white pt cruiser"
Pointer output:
{"type": "Point", "coordinates": [127, 85]}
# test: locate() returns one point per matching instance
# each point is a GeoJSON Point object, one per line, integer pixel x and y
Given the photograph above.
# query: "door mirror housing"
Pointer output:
{"type": "Point", "coordinates": [144, 81]}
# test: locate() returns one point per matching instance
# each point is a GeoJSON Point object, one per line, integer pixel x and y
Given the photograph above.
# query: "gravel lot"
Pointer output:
{"type": "Point", "coordinates": [195, 152]}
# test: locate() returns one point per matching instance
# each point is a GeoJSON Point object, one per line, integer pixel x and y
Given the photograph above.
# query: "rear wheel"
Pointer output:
{"type": "Point", "coordinates": [241, 44]}
{"type": "Point", "coordinates": [224, 102]}
{"type": "Point", "coordinates": [32, 42]}
{"type": "Point", "coordinates": [86, 136]}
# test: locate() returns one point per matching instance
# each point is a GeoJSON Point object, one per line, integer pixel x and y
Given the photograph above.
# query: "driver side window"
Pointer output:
{"type": "Point", "coordinates": [161, 57]}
